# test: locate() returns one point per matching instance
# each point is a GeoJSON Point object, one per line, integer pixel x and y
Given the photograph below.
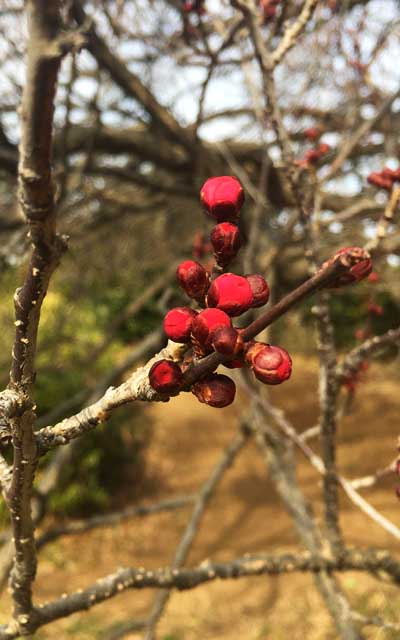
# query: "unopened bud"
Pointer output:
{"type": "Point", "coordinates": [178, 324]}
{"type": "Point", "coordinates": [165, 376]}
{"type": "Point", "coordinates": [230, 293]}
{"type": "Point", "coordinates": [222, 197]}
{"type": "Point", "coordinates": [215, 390]}
{"type": "Point", "coordinates": [270, 364]}
{"type": "Point", "coordinates": [193, 279]}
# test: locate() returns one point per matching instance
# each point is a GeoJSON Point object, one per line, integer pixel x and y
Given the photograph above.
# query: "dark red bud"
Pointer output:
{"type": "Point", "coordinates": [375, 309]}
{"type": "Point", "coordinates": [178, 324]}
{"type": "Point", "coordinates": [205, 324]}
{"type": "Point", "coordinates": [215, 390]}
{"type": "Point", "coordinates": [361, 267]}
{"type": "Point", "coordinates": [227, 341]}
{"type": "Point", "coordinates": [312, 133]}
{"type": "Point", "coordinates": [398, 467]}
{"type": "Point", "coordinates": [222, 197]}
{"type": "Point", "coordinates": [259, 288]}
{"type": "Point", "coordinates": [193, 279]}
{"type": "Point", "coordinates": [165, 376]}
{"type": "Point", "coordinates": [231, 293]}
{"type": "Point", "coordinates": [225, 238]}
{"type": "Point", "coordinates": [270, 364]}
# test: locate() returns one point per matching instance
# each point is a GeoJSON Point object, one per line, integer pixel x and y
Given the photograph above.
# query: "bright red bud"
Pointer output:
{"type": "Point", "coordinates": [360, 270]}
{"type": "Point", "coordinates": [227, 341]}
{"type": "Point", "coordinates": [259, 288]}
{"type": "Point", "coordinates": [271, 365]}
{"type": "Point", "coordinates": [178, 324]}
{"type": "Point", "coordinates": [222, 197]}
{"type": "Point", "coordinates": [205, 323]}
{"type": "Point", "coordinates": [225, 238]}
{"type": "Point", "coordinates": [215, 390]}
{"type": "Point", "coordinates": [193, 279]}
{"type": "Point", "coordinates": [231, 293]}
{"type": "Point", "coordinates": [165, 376]}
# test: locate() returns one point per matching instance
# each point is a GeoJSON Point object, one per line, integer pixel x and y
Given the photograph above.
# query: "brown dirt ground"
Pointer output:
{"type": "Point", "coordinates": [244, 516]}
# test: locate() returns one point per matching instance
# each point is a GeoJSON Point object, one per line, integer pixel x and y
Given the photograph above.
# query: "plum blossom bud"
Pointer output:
{"type": "Point", "coordinates": [360, 270]}
{"type": "Point", "coordinates": [270, 364]}
{"type": "Point", "coordinates": [178, 324]}
{"type": "Point", "coordinates": [231, 293]}
{"type": "Point", "coordinates": [312, 133]}
{"type": "Point", "coordinates": [225, 238]}
{"type": "Point", "coordinates": [222, 198]}
{"type": "Point", "coordinates": [259, 288]}
{"type": "Point", "coordinates": [165, 376]}
{"type": "Point", "coordinates": [375, 309]}
{"type": "Point", "coordinates": [205, 323]}
{"type": "Point", "coordinates": [193, 279]}
{"type": "Point", "coordinates": [215, 390]}
{"type": "Point", "coordinates": [227, 341]}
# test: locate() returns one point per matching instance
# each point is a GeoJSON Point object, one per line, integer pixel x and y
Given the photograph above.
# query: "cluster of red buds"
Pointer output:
{"type": "Point", "coordinates": [384, 179]}
{"type": "Point", "coordinates": [313, 156]}
{"type": "Point", "coordinates": [269, 9]}
{"type": "Point", "coordinates": [220, 298]}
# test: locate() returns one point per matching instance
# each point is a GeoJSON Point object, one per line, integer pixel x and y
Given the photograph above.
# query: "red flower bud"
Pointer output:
{"type": "Point", "coordinates": [165, 376]}
{"type": "Point", "coordinates": [312, 133]}
{"type": "Point", "coordinates": [205, 323]}
{"type": "Point", "coordinates": [215, 390]}
{"type": "Point", "coordinates": [227, 341]}
{"type": "Point", "coordinates": [225, 238]}
{"type": "Point", "coordinates": [360, 270]}
{"type": "Point", "coordinates": [222, 197]}
{"type": "Point", "coordinates": [193, 279]}
{"type": "Point", "coordinates": [390, 174]}
{"type": "Point", "coordinates": [231, 293]}
{"type": "Point", "coordinates": [259, 288]}
{"type": "Point", "coordinates": [373, 277]}
{"type": "Point", "coordinates": [323, 148]}
{"type": "Point", "coordinates": [271, 365]}
{"type": "Point", "coordinates": [375, 309]}
{"type": "Point", "coordinates": [378, 180]}
{"type": "Point", "coordinates": [361, 334]}
{"type": "Point", "coordinates": [312, 156]}
{"type": "Point", "coordinates": [398, 467]}
{"type": "Point", "coordinates": [178, 324]}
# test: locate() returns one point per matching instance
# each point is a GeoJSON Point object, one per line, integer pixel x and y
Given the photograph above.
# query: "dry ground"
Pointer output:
{"type": "Point", "coordinates": [245, 516]}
